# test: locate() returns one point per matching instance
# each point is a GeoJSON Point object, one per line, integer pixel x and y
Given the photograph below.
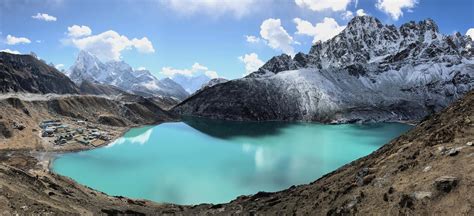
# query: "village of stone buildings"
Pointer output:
{"type": "Point", "coordinates": [79, 131]}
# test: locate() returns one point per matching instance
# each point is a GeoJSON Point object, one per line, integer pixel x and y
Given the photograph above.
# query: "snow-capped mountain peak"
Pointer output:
{"type": "Point", "coordinates": [88, 67]}
{"type": "Point", "coordinates": [368, 72]}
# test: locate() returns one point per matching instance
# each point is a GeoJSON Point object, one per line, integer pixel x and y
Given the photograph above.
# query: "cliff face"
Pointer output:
{"type": "Point", "coordinates": [368, 72]}
{"type": "Point", "coordinates": [25, 73]}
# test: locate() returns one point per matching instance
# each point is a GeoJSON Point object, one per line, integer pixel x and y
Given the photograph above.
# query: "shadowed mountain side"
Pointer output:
{"type": "Point", "coordinates": [25, 73]}
{"type": "Point", "coordinates": [246, 99]}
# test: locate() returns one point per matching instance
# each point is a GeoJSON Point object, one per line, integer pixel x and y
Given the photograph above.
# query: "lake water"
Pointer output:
{"type": "Point", "coordinates": [206, 161]}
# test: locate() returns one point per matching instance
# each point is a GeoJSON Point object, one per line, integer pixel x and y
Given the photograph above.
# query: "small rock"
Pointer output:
{"type": "Point", "coordinates": [469, 143]}
{"type": "Point", "coordinates": [467, 120]}
{"type": "Point", "coordinates": [406, 201]}
{"type": "Point", "coordinates": [385, 197]}
{"type": "Point", "coordinates": [427, 168]}
{"type": "Point", "coordinates": [442, 150]}
{"type": "Point", "coordinates": [368, 179]}
{"type": "Point", "coordinates": [446, 183]}
{"type": "Point", "coordinates": [453, 152]}
{"type": "Point", "coordinates": [361, 175]}
{"type": "Point", "coordinates": [422, 194]}
{"type": "Point", "coordinates": [391, 190]}
{"type": "Point", "coordinates": [18, 126]}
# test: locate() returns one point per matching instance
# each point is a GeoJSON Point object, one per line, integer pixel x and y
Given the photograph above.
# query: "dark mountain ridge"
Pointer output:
{"type": "Point", "coordinates": [25, 73]}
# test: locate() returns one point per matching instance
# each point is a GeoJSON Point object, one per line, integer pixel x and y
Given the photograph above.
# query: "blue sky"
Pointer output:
{"type": "Point", "coordinates": [172, 35]}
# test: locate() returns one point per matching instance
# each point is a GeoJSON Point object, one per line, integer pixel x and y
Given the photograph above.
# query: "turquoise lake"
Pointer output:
{"type": "Point", "coordinates": [205, 161]}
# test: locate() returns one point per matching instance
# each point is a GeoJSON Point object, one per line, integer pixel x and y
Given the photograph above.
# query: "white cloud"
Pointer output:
{"type": "Point", "coordinates": [140, 68]}
{"type": "Point", "coordinates": [361, 12]}
{"type": "Point", "coordinates": [238, 8]}
{"type": "Point", "coordinates": [143, 45]}
{"type": "Point", "coordinates": [59, 66]}
{"type": "Point", "coordinates": [321, 31]}
{"type": "Point", "coordinates": [276, 36]}
{"type": "Point", "coordinates": [11, 51]}
{"type": "Point", "coordinates": [470, 32]}
{"type": "Point", "coordinates": [109, 45]}
{"type": "Point", "coordinates": [252, 39]}
{"type": "Point", "coordinates": [196, 68]}
{"type": "Point", "coordinates": [78, 31]}
{"type": "Point", "coordinates": [319, 5]}
{"type": "Point", "coordinates": [252, 62]}
{"type": "Point", "coordinates": [12, 40]}
{"type": "Point", "coordinates": [211, 74]}
{"type": "Point", "coordinates": [394, 7]}
{"type": "Point", "coordinates": [347, 15]}
{"type": "Point", "coordinates": [44, 17]}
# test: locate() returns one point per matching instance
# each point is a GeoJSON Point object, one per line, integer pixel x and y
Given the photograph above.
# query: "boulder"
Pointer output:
{"type": "Point", "coordinates": [446, 183]}
{"type": "Point", "coordinates": [422, 194]}
{"type": "Point", "coordinates": [6, 131]}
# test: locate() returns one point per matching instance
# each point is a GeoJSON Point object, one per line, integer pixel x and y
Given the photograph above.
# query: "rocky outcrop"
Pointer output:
{"type": "Point", "coordinates": [6, 130]}
{"type": "Point", "coordinates": [25, 73]}
{"type": "Point", "coordinates": [368, 72]}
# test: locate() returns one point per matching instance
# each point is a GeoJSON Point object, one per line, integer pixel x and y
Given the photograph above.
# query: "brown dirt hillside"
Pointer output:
{"type": "Point", "coordinates": [22, 114]}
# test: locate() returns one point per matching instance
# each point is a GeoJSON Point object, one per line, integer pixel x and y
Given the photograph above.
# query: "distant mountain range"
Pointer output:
{"type": "Point", "coordinates": [191, 83]}
{"type": "Point", "coordinates": [89, 68]}
{"type": "Point", "coordinates": [368, 72]}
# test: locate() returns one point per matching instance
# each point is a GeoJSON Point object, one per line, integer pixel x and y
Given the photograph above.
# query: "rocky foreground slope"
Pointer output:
{"type": "Point", "coordinates": [427, 171]}
{"type": "Point", "coordinates": [368, 72]}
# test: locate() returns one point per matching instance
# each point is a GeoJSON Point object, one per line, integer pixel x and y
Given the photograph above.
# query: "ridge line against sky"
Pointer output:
{"type": "Point", "coordinates": [224, 38]}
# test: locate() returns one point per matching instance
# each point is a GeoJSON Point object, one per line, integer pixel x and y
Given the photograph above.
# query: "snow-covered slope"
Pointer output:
{"type": "Point", "coordinates": [368, 72]}
{"type": "Point", "coordinates": [118, 73]}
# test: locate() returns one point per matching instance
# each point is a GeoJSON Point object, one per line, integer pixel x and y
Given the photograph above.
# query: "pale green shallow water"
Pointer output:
{"type": "Point", "coordinates": [203, 161]}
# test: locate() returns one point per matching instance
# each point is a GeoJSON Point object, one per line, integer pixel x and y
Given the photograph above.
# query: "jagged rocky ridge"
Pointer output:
{"type": "Point", "coordinates": [368, 72]}
{"type": "Point", "coordinates": [88, 67]}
